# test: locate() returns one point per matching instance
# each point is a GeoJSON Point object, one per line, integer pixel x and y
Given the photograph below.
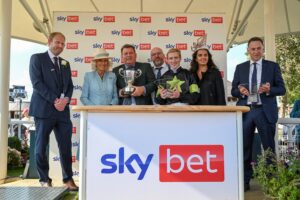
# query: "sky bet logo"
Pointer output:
{"type": "Point", "coordinates": [115, 60]}
{"type": "Point", "coordinates": [86, 32]}
{"type": "Point", "coordinates": [181, 46]}
{"type": "Point", "coordinates": [68, 18]}
{"type": "Point", "coordinates": [74, 130]}
{"type": "Point", "coordinates": [127, 32]}
{"type": "Point", "coordinates": [78, 59]}
{"type": "Point", "coordinates": [177, 163]}
{"type": "Point", "coordinates": [88, 59]}
{"type": "Point", "coordinates": [77, 87]}
{"type": "Point", "coordinates": [72, 18]}
{"type": "Point", "coordinates": [90, 32]}
{"type": "Point", "coordinates": [196, 33]}
{"type": "Point", "coordinates": [124, 32]}
{"type": "Point", "coordinates": [176, 19]}
{"type": "Point", "coordinates": [73, 45]}
{"type": "Point", "coordinates": [109, 19]}
{"type": "Point", "coordinates": [114, 163]}
{"type": "Point", "coordinates": [214, 20]}
{"type": "Point", "coordinates": [74, 73]}
{"type": "Point", "coordinates": [191, 163]}
{"type": "Point", "coordinates": [217, 20]}
{"type": "Point", "coordinates": [73, 102]}
{"type": "Point", "coordinates": [164, 33]}
{"type": "Point", "coordinates": [97, 19]}
{"type": "Point", "coordinates": [76, 115]}
{"type": "Point", "coordinates": [141, 19]}
{"type": "Point", "coordinates": [145, 46]}
{"type": "Point", "coordinates": [104, 45]}
{"type": "Point", "coordinates": [217, 47]}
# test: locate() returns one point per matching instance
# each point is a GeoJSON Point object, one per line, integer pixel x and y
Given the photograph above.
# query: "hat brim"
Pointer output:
{"type": "Point", "coordinates": [101, 58]}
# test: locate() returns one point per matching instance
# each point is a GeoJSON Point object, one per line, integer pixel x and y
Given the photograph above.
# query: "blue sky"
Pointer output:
{"type": "Point", "coordinates": [21, 52]}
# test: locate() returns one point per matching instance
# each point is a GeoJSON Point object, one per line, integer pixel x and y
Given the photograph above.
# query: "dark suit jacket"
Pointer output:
{"type": "Point", "coordinates": [146, 79]}
{"type": "Point", "coordinates": [46, 87]}
{"type": "Point", "coordinates": [270, 73]}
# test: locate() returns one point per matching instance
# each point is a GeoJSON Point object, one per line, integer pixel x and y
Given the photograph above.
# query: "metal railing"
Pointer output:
{"type": "Point", "coordinates": [287, 142]}
{"type": "Point", "coordinates": [19, 124]}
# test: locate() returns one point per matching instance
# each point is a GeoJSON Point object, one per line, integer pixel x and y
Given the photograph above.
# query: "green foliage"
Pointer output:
{"type": "Point", "coordinates": [288, 57]}
{"type": "Point", "coordinates": [14, 143]}
{"type": "Point", "coordinates": [277, 178]}
{"type": "Point", "coordinates": [13, 158]}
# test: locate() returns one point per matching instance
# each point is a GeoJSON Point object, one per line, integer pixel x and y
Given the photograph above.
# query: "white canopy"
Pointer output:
{"type": "Point", "coordinates": [244, 18]}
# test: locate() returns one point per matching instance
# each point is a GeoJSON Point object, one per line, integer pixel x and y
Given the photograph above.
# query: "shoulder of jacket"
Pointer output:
{"type": "Point", "coordinates": [269, 62]}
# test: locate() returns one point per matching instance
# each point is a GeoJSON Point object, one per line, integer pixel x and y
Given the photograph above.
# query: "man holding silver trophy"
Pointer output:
{"type": "Point", "coordinates": [135, 80]}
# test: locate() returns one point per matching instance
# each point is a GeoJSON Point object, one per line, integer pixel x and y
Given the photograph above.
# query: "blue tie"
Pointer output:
{"type": "Point", "coordinates": [254, 79]}
{"type": "Point", "coordinates": [158, 75]}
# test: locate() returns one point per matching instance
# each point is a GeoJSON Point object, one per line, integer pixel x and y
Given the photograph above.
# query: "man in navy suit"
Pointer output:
{"type": "Point", "coordinates": [143, 85]}
{"type": "Point", "coordinates": [256, 84]}
{"type": "Point", "coordinates": [52, 90]}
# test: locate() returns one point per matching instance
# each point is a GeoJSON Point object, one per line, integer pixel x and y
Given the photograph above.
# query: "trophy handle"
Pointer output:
{"type": "Point", "coordinates": [138, 73]}
{"type": "Point", "coordinates": [121, 72]}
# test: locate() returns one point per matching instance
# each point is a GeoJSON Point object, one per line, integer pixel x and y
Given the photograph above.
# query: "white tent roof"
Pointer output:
{"type": "Point", "coordinates": [286, 21]}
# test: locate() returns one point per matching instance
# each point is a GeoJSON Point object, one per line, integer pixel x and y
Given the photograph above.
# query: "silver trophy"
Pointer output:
{"type": "Point", "coordinates": [129, 75]}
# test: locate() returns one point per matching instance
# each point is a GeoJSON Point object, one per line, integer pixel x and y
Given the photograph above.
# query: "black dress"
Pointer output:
{"type": "Point", "coordinates": [211, 88]}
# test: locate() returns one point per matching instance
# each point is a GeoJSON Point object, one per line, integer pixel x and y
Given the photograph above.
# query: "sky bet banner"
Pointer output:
{"type": "Point", "coordinates": [87, 31]}
{"type": "Point", "coordinates": [130, 156]}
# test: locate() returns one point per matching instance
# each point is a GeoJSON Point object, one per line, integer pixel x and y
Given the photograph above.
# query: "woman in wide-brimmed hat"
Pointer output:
{"type": "Point", "coordinates": [99, 86]}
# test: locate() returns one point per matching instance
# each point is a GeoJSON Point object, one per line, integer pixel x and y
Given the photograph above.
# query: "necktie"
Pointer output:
{"type": "Point", "coordinates": [254, 79]}
{"type": "Point", "coordinates": [254, 85]}
{"type": "Point", "coordinates": [58, 74]}
{"type": "Point", "coordinates": [158, 75]}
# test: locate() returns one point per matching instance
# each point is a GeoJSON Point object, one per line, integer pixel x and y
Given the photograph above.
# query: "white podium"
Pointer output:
{"type": "Point", "coordinates": [161, 152]}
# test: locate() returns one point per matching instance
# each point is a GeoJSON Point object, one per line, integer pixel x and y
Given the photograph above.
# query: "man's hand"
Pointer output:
{"type": "Point", "coordinates": [243, 91]}
{"type": "Point", "coordinates": [264, 88]}
{"type": "Point", "coordinates": [174, 94]}
{"type": "Point", "coordinates": [60, 104]}
{"type": "Point", "coordinates": [163, 93]}
{"type": "Point", "coordinates": [121, 93]}
{"type": "Point", "coordinates": [139, 91]}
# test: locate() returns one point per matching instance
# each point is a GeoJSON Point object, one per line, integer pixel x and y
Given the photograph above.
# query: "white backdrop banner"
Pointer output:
{"type": "Point", "coordinates": [87, 31]}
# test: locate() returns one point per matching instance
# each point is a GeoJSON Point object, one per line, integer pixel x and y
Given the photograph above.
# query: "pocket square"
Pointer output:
{"type": "Point", "coordinates": [52, 69]}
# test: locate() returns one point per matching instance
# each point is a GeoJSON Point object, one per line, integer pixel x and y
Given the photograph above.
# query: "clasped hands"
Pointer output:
{"type": "Point", "coordinates": [264, 88]}
{"type": "Point", "coordinates": [167, 93]}
{"type": "Point", "coordinates": [60, 103]}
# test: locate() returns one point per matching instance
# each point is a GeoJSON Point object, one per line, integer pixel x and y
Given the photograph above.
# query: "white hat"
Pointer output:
{"type": "Point", "coordinates": [101, 54]}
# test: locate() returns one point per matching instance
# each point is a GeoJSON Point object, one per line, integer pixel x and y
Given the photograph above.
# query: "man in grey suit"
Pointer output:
{"type": "Point", "coordinates": [52, 91]}
{"type": "Point", "coordinates": [143, 85]}
{"type": "Point", "coordinates": [256, 84]}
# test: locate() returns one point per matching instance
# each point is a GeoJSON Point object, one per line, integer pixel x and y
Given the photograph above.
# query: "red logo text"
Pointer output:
{"type": "Point", "coordinates": [191, 163]}
{"type": "Point", "coordinates": [72, 18]}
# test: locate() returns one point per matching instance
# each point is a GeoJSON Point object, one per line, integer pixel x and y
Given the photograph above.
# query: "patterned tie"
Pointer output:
{"type": "Point", "coordinates": [254, 79]}
{"type": "Point", "coordinates": [158, 75]}
{"type": "Point", "coordinates": [58, 74]}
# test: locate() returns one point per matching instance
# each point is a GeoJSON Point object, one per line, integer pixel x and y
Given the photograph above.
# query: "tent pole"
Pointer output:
{"type": "Point", "coordinates": [5, 36]}
{"type": "Point", "coordinates": [269, 30]}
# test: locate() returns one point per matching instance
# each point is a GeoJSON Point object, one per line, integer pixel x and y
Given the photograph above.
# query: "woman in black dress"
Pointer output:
{"type": "Point", "coordinates": [208, 77]}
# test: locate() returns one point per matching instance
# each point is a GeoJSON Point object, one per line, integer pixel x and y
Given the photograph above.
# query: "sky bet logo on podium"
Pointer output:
{"type": "Point", "coordinates": [177, 163]}
{"type": "Point", "coordinates": [118, 163]}
{"type": "Point", "coordinates": [191, 163]}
